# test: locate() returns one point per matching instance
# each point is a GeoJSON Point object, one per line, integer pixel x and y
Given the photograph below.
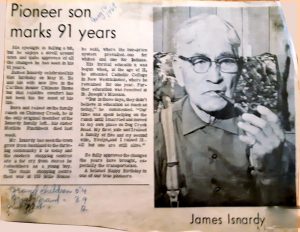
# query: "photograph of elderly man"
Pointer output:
{"type": "Point", "coordinates": [218, 142]}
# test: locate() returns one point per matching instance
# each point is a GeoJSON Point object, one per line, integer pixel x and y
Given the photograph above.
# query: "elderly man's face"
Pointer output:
{"type": "Point", "coordinates": [202, 86]}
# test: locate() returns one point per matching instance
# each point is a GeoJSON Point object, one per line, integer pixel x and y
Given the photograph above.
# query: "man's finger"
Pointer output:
{"type": "Point", "coordinates": [273, 120]}
{"type": "Point", "coordinates": [256, 132]}
{"type": "Point", "coordinates": [278, 131]}
{"type": "Point", "coordinates": [250, 140]}
{"type": "Point", "coordinates": [268, 114]}
{"type": "Point", "coordinates": [258, 122]}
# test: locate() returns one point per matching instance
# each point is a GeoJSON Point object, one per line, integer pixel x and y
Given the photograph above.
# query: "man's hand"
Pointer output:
{"type": "Point", "coordinates": [265, 136]}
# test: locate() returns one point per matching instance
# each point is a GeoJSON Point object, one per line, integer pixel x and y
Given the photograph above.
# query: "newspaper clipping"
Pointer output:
{"type": "Point", "coordinates": [148, 116]}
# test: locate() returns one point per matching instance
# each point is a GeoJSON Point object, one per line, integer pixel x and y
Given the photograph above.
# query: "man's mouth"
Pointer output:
{"type": "Point", "coordinates": [222, 95]}
{"type": "Point", "coordinates": [220, 91]}
{"type": "Point", "coordinates": [216, 92]}
{"type": "Point", "coordinates": [230, 101]}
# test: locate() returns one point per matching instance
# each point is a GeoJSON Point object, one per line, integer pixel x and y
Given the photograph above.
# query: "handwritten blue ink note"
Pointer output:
{"type": "Point", "coordinates": [104, 12]}
{"type": "Point", "coordinates": [28, 199]}
{"type": "Point", "coordinates": [81, 198]}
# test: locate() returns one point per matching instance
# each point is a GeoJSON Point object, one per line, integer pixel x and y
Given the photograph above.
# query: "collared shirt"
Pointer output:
{"type": "Point", "coordinates": [214, 166]}
{"type": "Point", "coordinates": [205, 117]}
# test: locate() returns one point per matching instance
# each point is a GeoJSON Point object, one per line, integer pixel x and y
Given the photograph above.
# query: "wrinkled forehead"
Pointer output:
{"type": "Point", "coordinates": [204, 33]}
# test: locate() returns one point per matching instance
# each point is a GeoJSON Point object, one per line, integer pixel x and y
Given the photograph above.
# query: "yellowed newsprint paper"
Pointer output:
{"type": "Point", "coordinates": [149, 116]}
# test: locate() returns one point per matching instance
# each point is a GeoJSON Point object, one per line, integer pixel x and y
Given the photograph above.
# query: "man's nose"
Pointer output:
{"type": "Point", "coordinates": [214, 74]}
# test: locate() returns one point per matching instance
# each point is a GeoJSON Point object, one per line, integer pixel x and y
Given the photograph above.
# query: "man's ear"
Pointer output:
{"type": "Point", "coordinates": [177, 71]}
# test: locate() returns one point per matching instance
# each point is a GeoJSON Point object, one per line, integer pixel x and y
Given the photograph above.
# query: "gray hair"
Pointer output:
{"type": "Point", "coordinates": [192, 28]}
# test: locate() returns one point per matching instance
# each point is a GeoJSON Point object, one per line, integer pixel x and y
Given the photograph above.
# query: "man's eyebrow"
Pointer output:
{"type": "Point", "coordinates": [226, 54]}
{"type": "Point", "coordinates": [200, 55]}
{"type": "Point", "coordinates": [222, 55]}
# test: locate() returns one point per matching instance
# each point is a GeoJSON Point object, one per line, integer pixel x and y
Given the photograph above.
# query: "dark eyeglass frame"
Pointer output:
{"type": "Point", "coordinates": [218, 61]}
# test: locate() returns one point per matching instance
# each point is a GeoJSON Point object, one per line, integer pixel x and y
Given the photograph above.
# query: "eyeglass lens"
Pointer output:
{"type": "Point", "coordinates": [226, 65]}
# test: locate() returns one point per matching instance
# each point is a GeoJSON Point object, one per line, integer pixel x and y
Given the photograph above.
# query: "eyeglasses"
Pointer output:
{"type": "Point", "coordinates": [201, 64]}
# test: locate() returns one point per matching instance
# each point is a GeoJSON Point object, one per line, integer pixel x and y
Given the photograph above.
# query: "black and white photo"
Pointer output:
{"type": "Point", "coordinates": [222, 112]}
